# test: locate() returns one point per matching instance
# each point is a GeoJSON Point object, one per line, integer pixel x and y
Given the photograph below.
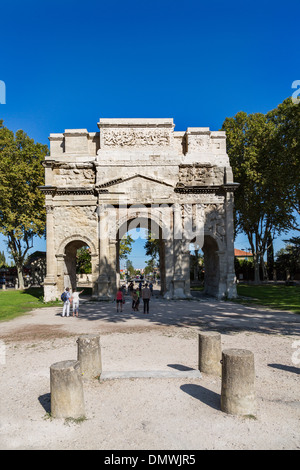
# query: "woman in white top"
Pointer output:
{"type": "Point", "coordinates": [75, 301]}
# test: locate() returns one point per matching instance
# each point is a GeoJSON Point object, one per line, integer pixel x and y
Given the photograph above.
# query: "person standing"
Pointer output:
{"type": "Point", "coordinates": [151, 288]}
{"type": "Point", "coordinates": [146, 294]}
{"type": "Point", "coordinates": [119, 299]}
{"type": "Point", "coordinates": [75, 301]}
{"type": "Point", "coordinates": [134, 301]}
{"type": "Point", "coordinates": [66, 307]}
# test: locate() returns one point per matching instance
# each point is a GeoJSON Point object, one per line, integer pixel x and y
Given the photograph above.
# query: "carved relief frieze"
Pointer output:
{"type": "Point", "coordinates": [215, 220]}
{"type": "Point", "coordinates": [202, 175]}
{"type": "Point", "coordinates": [136, 138]}
{"type": "Point", "coordinates": [199, 143]}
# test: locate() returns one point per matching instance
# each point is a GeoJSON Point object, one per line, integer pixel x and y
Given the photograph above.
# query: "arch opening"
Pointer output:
{"type": "Point", "coordinates": [147, 267]}
{"type": "Point", "coordinates": [205, 266]}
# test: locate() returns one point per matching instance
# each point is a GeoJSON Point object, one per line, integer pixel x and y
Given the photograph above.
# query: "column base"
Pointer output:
{"type": "Point", "coordinates": [178, 290]}
{"type": "Point", "coordinates": [104, 290]}
{"type": "Point", "coordinates": [50, 290]}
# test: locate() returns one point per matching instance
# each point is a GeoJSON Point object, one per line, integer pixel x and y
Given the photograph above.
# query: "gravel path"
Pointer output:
{"type": "Point", "coordinates": [153, 397]}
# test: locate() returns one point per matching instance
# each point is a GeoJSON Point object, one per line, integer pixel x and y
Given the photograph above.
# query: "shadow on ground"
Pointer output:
{"type": "Point", "coordinates": [203, 312]}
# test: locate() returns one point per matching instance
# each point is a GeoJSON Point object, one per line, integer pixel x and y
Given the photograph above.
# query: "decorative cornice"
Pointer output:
{"type": "Point", "coordinates": [184, 189]}
{"type": "Point", "coordinates": [54, 190]}
{"type": "Point", "coordinates": [197, 189]}
{"type": "Point", "coordinates": [109, 183]}
{"type": "Point", "coordinates": [47, 189]}
{"type": "Point", "coordinates": [76, 191]}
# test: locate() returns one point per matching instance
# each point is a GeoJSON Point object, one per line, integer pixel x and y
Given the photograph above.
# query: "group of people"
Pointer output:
{"type": "Point", "coordinates": [69, 298]}
{"type": "Point", "coordinates": [136, 295]}
{"type": "Point", "coordinates": [143, 293]}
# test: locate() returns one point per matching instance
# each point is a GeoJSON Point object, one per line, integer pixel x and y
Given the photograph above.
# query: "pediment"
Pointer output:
{"type": "Point", "coordinates": [134, 181]}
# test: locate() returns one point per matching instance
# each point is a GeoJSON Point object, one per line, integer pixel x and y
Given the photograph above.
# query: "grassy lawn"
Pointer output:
{"type": "Point", "coordinates": [18, 302]}
{"type": "Point", "coordinates": [273, 296]}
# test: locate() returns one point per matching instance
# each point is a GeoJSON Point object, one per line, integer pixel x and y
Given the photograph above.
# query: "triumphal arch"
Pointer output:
{"type": "Point", "coordinates": [139, 173]}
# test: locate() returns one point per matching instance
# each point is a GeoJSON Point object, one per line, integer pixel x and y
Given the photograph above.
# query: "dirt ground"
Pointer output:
{"type": "Point", "coordinates": [154, 412]}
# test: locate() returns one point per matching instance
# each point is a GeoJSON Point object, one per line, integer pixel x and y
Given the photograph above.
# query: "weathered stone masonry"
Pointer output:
{"type": "Point", "coordinates": [98, 184]}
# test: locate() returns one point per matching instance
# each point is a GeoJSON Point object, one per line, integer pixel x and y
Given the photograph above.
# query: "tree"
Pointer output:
{"type": "Point", "coordinates": [22, 211]}
{"type": "Point", "coordinates": [196, 264]}
{"type": "Point", "coordinates": [286, 118]}
{"type": "Point", "coordinates": [152, 247]}
{"type": "Point", "coordinates": [263, 204]}
{"type": "Point", "coordinates": [288, 258]}
{"type": "Point", "coordinates": [130, 268]}
{"type": "Point", "coordinates": [125, 246]}
{"type": "Point", "coordinates": [2, 259]}
{"type": "Point", "coordinates": [150, 267]}
{"type": "Point", "coordinates": [83, 260]}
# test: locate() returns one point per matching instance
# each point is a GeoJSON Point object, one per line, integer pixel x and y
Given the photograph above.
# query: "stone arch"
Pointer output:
{"type": "Point", "coordinates": [151, 221]}
{"type": "Point", "coordinates": [66, 260]}
{"type": "Point", "coordinates": [75, 238]}
{"type": "Point", "coordinates": [144, 214]}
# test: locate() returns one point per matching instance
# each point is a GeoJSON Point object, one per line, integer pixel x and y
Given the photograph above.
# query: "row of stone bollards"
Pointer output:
{"type": "Point", "coordinates": [236, 367]}
{"type": "Point", "coordinates": [66, 378]}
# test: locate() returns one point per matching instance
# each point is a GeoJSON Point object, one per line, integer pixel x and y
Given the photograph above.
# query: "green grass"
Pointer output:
{"type": "Point", "coordinates": [14, 303]}
{"type": "Point", "coordinates": [279, 297]}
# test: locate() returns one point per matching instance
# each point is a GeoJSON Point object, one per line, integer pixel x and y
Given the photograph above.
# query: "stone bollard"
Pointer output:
{"type": "Point", "coordinates": [67, 400]}
{"type": "Point", "coordinates": [89, 356]}
{"type": "Point", "coordinates": [210, 352]}
{"type": "Point", "coordinates": [238, 378]}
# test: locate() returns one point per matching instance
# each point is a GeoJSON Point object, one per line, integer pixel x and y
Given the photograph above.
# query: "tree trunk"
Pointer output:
{"type": "Point", "coordinates": [256, 263]}
{"type": "Point", "coordinates": [20, 276]}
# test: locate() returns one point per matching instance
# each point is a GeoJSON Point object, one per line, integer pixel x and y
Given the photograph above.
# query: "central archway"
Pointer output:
{"type": "Point", "coordinates": [151, 226]}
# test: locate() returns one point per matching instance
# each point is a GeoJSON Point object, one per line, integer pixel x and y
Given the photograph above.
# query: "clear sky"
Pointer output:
{"type": "Point", "coordinates": [68, 63]}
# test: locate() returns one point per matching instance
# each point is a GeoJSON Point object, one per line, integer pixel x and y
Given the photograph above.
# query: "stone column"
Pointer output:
{"type": "Point", "coordinates": [50, 281]}
{"type": "Point", "coordinates": [103, 253]}
{"type": "Point", "coordinates": [95, 273]}
{"type": "Point", "coordinates": [178, 259]}
{"type": "Point", "coordinates": [112, 267]}
{"type": "Point", "coordinates": [60, 280]}
{"type": "Point", "coordinates": [210, 352]}
{"type": "Point", "coordinates": [169, 268]}
{"type": "Point", "coordinates": [238, 377]}
{"type": "Point", "coordinates": [67, 400]}
{"type": "Point", "coordinates": [89, 356]}
{"type": "Point", "coordinates": [231, 278]}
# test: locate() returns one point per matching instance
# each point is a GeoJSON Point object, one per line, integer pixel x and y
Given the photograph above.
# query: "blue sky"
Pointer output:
{"type": "Point", "coordinates": [67, 63]}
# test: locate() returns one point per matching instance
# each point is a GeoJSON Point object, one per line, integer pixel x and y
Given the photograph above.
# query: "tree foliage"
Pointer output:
{"type": "Point", "coordinates": [2, 259]}
{"type": "Point", "coordinates": [125, 246]}
{"type": "Point", "coordinates": [22, 211]}
{"type": "Point", "coordinates": [83, 260]}
{"type": "Point", "coordinates": [152, 247]}
{"type": "Point", "coordinates": [288, 258]}
{"type": "Point", "coordinates": [264, 155]}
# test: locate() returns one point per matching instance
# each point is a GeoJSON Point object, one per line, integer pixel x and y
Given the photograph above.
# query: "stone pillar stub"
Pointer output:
{"type": "Point", "coordinates": [89, 356]}
{"type": "Point", "coordinates": [238, 382]}
{"type": "Point", "coordinates": [210, 352]}
{"type": "Point", "coordinates": [67, 399]}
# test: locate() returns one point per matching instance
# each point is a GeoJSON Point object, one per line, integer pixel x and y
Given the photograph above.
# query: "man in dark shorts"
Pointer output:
{"type": "Point", "coordinates": [146, 294]}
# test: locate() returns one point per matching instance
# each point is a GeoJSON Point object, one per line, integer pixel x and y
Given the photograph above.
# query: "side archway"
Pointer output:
{"type": "Point", "coordinates": [67, 258]}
